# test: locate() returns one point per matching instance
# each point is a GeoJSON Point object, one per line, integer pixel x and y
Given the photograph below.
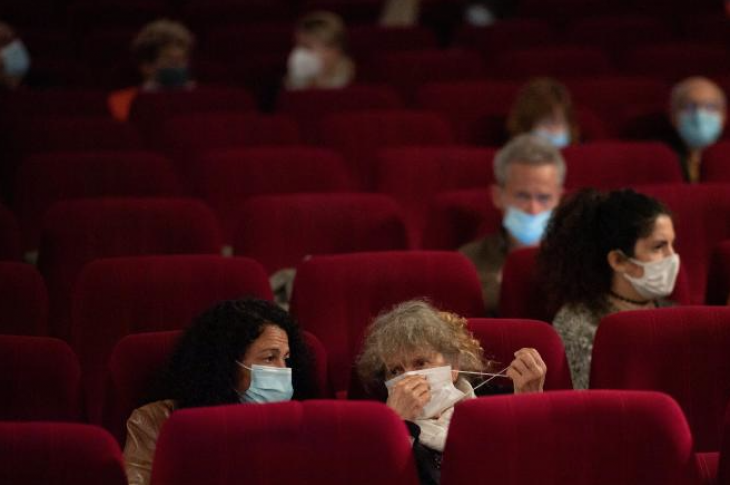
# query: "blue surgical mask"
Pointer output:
{"type": "Point", "coordinates": [558, 139]}
{"type": "Point", "coordinates": [268, 384]}
{"type": "Point", "coordinates": [699, 128]}
{"type": "Point", "coordinates": [16, 60]}
{"type": "Point", "coordinates": [526, 228]}
{"type": "Point", "coordinates": [173, 77]}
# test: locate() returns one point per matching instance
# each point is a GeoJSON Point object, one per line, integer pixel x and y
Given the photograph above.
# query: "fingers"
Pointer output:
{"type": "Point", "coordinates": [527, 371]}
{"type": "Point", "coordinates": [409, 396]}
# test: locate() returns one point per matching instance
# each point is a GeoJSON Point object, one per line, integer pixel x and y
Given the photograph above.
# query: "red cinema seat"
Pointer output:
{"type": "Point", "coordinates": [204, 16]}
{"type": "Point", "coordinates": [238, 41]}
{"type": "Point", "coordinates": [226, 179]}
{"type": "Point", "coordinates": [368, 40]}
{"type": "Point", "coordinates": [718, 279]}
{"type": "Point", "coordinates": [458, 217]}
{"type": "Point", "coordinates": [315, 441]}
{"type": "Point", "coordinates": [136, 365]}
{"type": "Point", "coordinates": [615, 165]}
{"type": "Point", "coordinates": [308, 107]}
{"type": "Point", "coordinates": [116, 297]}
{"type": "Point", "coordinates": [406, 71]}
{"type": "Point", "coordinates": [723, 477]}
{"type": "Point", "coordinates": [359, 136]}
{"type": "Point", "coordinates": [509, 32]}
{"type": "Point", "coordinates": [9, 236]}
{"type": "Point", "coordinates": [701, 215]}
{"type": "Point", "coordinates": [59, 453]}
{"type": "Point", "coordinates": [618, 33]}
{"type": "Point", "coordinates": [77, 232]}
{"type": "Point", "coordinates": [280, 231]}
{"type": "Point", "coordinates": [567, 61]}
{"type": "Point", "coordinates": [715, 166]}
{"type": "Point", "coordinates": [46, 178]}
{"type": "Point", "coordinates": [580, 437]}
{"type": "Point", "coordinates": [336, 297]}
{"type": "Point", "coordinates": [477, 110]}
{"type": "Point", "coordinates": [56, 102]}
{"type": "Point", "coordinates": [23, 300]}
{"type": "Point", "coordinates": [353, 12]}
{"type": "Point", "coordinates": [413, 176]}
{"type": "Point", "coordinates": [40, 378]}
{"type": "Point", "coordinates": [679, 351]}
{"type": "Point", "coordinates": [86, 16]}
{"type": "Point", "coordinates": [677, 60]}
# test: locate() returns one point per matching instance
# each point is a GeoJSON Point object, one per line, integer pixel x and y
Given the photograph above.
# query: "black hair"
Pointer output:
{"type": "Point", "coordinates": [572, 260]}
{"type": "Point", "coordinates": [203, 370]}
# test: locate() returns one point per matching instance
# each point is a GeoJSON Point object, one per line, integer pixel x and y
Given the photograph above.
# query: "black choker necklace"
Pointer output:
{"type": "Point", "coordinates": [627, 300]}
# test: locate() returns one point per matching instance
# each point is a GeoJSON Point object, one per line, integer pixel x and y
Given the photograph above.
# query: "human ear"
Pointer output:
{"type": "Point", "coordinates": [618, 261]}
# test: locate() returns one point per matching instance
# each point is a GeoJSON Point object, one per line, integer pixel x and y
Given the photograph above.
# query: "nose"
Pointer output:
{"type": "Point", "coordinates": [533, 207]}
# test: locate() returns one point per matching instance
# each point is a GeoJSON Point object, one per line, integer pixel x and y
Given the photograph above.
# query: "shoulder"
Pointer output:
{"type": "Point", "coordinates": [152, 415]}
{"type": "Point", "coordinates": [574, 314]}
{"type": "Point", "coordinates": [489, 245]}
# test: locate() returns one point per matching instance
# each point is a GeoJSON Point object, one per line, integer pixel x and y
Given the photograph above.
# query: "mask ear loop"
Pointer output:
{"type": "Point", "coordinates": [492, 376]}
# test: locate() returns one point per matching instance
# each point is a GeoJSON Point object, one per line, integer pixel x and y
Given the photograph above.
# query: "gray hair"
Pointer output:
{"type": "Point", "coordinates": [527, 149]}
{"type": "Point", "coordinates": [416, 326]}
{"type": "Point", "coordinates": [681, 90]}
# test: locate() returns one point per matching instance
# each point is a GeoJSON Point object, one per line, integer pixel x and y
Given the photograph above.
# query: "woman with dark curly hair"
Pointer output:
{"type": "Point", "coordinates": [239, 351]}
{"type": "Point", "coordinates": [603, 253]}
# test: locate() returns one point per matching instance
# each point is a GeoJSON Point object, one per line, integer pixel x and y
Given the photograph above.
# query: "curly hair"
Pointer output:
{"type": "Point", "coordinates": [416, 326]}
{"type": "Point", "coordinates": [572, 260]}
{"type": "Point", "coordinates": [538, 99]}
{"type": "Point", "coordinates": [203, 370]}
{"type": "Point", "coordinates": [157, 35]}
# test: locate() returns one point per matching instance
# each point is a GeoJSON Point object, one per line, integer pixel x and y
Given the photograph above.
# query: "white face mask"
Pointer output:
{"type": "Point", "coordinates": [268, 384]}
{"type": "Point", "coordinates": [441, 383]}
{"type": "Point", "coordinates": [304, 64]}
{"type": "Point", "coordinates": [659, 277]}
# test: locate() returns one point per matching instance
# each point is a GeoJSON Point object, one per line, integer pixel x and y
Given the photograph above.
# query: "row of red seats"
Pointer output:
{"type": "Point", "coordinates": [580, 439]}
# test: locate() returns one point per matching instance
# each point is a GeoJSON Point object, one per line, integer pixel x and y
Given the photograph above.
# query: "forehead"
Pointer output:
{"type": "Point", "coordinates": [523, 176]}
{"type": "Point", "coordinates": [271, 337]}
{"type": "Point", "coordinates": [173, 52]}
{"type": "Point", "coordinates": [698, 92]}
{"type": "Point", "coordinates": [410, 355]}
{"type": "Point", "coordinates": [663, 228]}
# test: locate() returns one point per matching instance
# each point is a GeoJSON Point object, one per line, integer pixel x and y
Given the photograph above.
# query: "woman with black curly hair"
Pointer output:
{"type": "Point", "coordinates": [603, 253]}
{"type": "Point", "coordinates": [239, 351]}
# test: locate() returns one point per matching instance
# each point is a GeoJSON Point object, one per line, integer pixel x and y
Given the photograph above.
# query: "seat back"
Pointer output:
{"type": "Point", "coordinates": [23, 300]}
{"type": "Point", "coordinates": [458, 217]}
{"type": "Point", "coordinates": [9, 236]}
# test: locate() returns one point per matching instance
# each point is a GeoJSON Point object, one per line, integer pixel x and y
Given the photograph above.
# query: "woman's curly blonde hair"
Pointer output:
{"type": "Point", "coordinates": [416, 326]}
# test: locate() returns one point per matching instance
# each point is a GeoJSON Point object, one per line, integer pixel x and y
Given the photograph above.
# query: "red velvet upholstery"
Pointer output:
{"type": "Point", "coordinates": [501, 338]}
{"type": "Point", "coordinates": [116, 297]}
{"type": "Point", "coordinates": [715, 165]}
{"type": "Point", "coordinates": [59, 453]}
{"type": "Point", "coordinates": [336, 297]}
{"type": "Point", "coordinates": [616, 34]}
{"type": "Point", "coordinates": [674, 61]}
{"type": "Point", "coordinates": [77, 232]}
{"type": "Point", "coordinates": [226, 179]}
{"type": "Point", "coordinates": [614, 165]}
{"type": "Point", "coordinates": [49, 177]}
{"type": "Point", "coordinates": [9, 236]}
{"type": "Point", "coordinates": [718, 280]}
{"type": "Point", "coordinates": [520, 284]}
{"type": "Point", "coordinates": [723, 474]}
{"type": "Point", "coordinates": [507, 33]}
{"type": "Point", "coordinates": [31, 102]}
{"type": "Point", "coordinates": [280, 231]}
{"type": "Point", "coordinates": [571, 438]}
{"type": "Point", "coordinates": [367, 40]}
{"type": "Point", "coordinates": [414, 175]}
{"type": "Point", "coordinates": [308, 107]}
{"type": "Point", "coordinates": [311, 442]}
{"type": "Point", "coordinates": [558, 61]}
{"type": "Point", "coordinates": [701, 215]}
{"type": "Point", "coordinates": [455, 218]}
{"type": "Point", "coordinates": [23, 300]}
{"type": "Point", "coordinates": [360, 135]}
{"type": "Point", "coordinates": [471, 107]}
{"type": "Point", "coordinates": [138, 360]}
{"type": "Point", "coordinates": [40, 379]}
{"type": "Point", "coordinates": [680, 351]}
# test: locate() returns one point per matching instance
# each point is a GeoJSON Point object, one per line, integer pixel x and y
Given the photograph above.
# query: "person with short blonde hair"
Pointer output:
{"type": "Point", "coordinates": [319, 58]}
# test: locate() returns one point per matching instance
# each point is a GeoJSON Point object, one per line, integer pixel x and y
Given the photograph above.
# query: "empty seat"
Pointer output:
{"type": "Point", "coordinates": [674, 61]}
{"type": "Point", "coordinates": [59, 453]}
{"type": "Point", "coordinates": [77, 232]}
{"type": "Point", "coordinates": [680, 351]}
{"type": "Point", "coordinates": [23, 300]}
{"type": "Point", "coordinates": [40, 378]}
{"type": "Point", "coordinates": [50, 177]}
{"type": "Point", "coordinates": [413, 176]}
{"type": "Point", "coordinates": [723, 476]}
{"type": "Point", "coordinates": [116, 297]}
{"type": "Point", "coordinates": [280, 231]}
{"type": "Point", "coordinates": [137, 362]}
{"type": "Point", "coordinates": [715, 165]}
{"type": "Point", "coordinates": [226, 179]}
{"type": "Point", "coordinates": [308, 107]}
{"type": "Point", "coordinates": [336, 297]}
{"type": "Point", "coordinates": [359, 136]}
{"type": "Point", "coordinates": [237, 42]}
{"type": "Point", "coordinates": [509, 32]}
{"type": "Point", "coordinates": [9, 236]}
{"type": "Point", "coordinates": [701, 215]}
{"type": "Point", "coordinates": [568, 61]}
{"type": "Point", "coordinates": [718, 278]}
{"type": "Point", "coordinates": [367, 40]}
{"type": "Point", "coordinates": [458, 217]}
{"type": "Point", "coordinates": [614, 165]}
{"type": "Point", "coordinates": [618, 33]}
{"type": "Point", "coordinates": [55, 102]}
{"type": "Point", "coordinates": [580, 437]}
{"type": "Point", "coordinates": [206, 17]}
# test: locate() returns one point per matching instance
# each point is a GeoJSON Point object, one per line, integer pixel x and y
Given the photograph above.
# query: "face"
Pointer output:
{"type": "Point", "coordinates": [171, 56]}
{"type": "Point", "coordinates": [554, 124]}
{"type": "Point", "coordinates": [326, 53]}
{"type": "Point", "coordinates": [529, 188]}
{"type": "Point", "coordinates": [426, 359]}
{"type": "Point", "coordinates": [271, 349]}
{"type": "Point", "coordinates": [655, 247]}
{"type": "Point", "coordinates": [701, 95]}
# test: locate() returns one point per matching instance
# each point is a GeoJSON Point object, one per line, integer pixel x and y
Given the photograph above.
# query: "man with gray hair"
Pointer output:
{"type": "Point", "coordinates": [529, 174]}
{"type": "Point", "coordinates": [698, 117]}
